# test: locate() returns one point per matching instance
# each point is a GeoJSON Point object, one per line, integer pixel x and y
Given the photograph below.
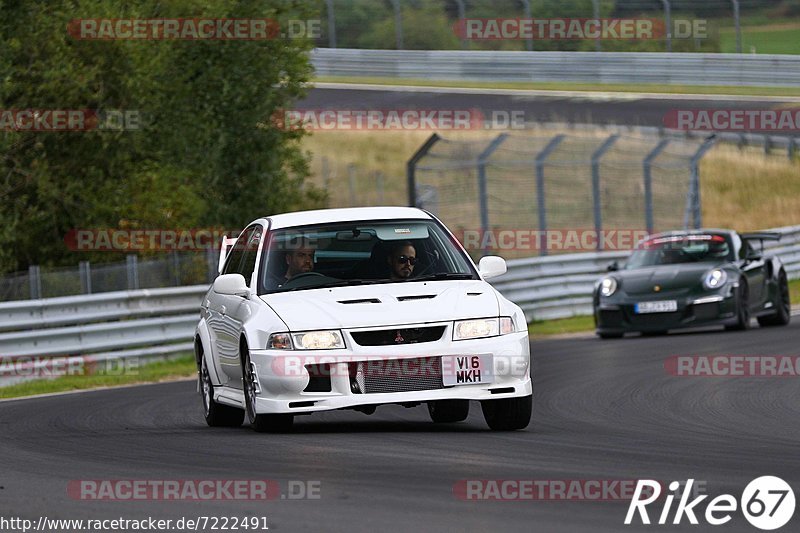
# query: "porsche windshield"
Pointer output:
{"type": "Point", "coordinates": [340, 254]}
{"type": "Point", "coordinates": [680, 249]}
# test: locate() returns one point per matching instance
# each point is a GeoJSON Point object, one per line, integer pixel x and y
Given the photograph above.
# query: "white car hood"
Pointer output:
{"type": "Point", "coordinates": [322, 308]}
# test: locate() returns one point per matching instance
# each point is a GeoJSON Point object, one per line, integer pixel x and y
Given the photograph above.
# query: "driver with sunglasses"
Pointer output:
{"type": "Point", "coordinates": [401, 260]}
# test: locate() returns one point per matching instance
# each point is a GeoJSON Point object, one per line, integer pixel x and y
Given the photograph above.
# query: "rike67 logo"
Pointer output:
{"type": "Point", "coordinates": [767, 503]}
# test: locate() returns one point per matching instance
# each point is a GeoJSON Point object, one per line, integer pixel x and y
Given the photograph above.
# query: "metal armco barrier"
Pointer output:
{"type": "Point", "coordinates": [159, 323]}
{"type": "Point", "coordinates": [760, 70]}
{"type": "Point", "coordinates": [561, 286]}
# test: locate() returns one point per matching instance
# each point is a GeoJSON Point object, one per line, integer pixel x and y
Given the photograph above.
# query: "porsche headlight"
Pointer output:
{"type": "Point", "coordinates": [318, 340]}
{"type": "Point", "coordinates": [608, 286]}
{"type": "Point", "coordinates": [715, 279]}
{"type": "Point", "coordinates": [482, 327]}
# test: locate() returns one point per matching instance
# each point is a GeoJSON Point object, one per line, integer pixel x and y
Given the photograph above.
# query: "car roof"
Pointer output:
{"type": "Point", "coordinates": [323, 216]}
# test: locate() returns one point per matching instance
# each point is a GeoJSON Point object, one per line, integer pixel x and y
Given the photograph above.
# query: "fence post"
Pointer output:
{"type": "Point", "coordinates": [483, 192]}
{"type": "Point", "coordinates": [132, 268]}
{"type": "Point", "coordinates": [85, 270]}
{"type": "Point", "coordinates": [411, 167]}
{"type": "Point", "coordinates": [331, 25]}
{"type": "Point", "coordinates": [526, 10]}
{"type": "Point", "coordinates": [648, 182]}
{"type": "Point", "coordinates": [462, 14]}
{"type": "Point", "coordinates": [212, 262]}
{"type": "Point", "coordinates": [668, 23]}
{"type": "Point", "coordinates": [598, 214]}
{"type": "Point", "coordinates": [540, 199]}
{"type": "Point", "coordinates": [596, 9]}
{"type": "Point", "coordinates": [738, 24]}
{"type": "Point", "coordinates": [35, 279]}
{"type": "Point", "coordinates": [398, 24]}
{"type": "Point", "coordinates": [351, 181]}
{"type": "Point", "coordinates": [694, 203]}
{"type": "Point", "coordinates": [176, 266]}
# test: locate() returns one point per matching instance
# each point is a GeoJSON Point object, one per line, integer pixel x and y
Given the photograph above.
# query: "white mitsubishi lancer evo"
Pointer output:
{"type": "Point", "coordinates": [356, 308]}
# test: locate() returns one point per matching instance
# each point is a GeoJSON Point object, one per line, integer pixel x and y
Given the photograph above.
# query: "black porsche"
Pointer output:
{"type": "Point", "coordinates": [693, 278]}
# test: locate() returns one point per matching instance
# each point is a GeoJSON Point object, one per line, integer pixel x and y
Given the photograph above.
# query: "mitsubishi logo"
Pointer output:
{"type": "Point", "coordinates": [657, 288]}
{"type": "Point", "coordinates": [399, 338]}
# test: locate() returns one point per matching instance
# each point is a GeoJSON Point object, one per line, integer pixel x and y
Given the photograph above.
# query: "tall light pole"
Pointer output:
{"type": "Point", "coordinates": [668, 17]}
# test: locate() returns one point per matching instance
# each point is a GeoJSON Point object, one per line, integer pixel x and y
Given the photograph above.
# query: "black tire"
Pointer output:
{"type": "Point", "coordinates": [216, 415]}
{"type": "Point", "coordinates": [659, 333]}
{"type": "Point", "coordinates": [445, 411]}
{"type": "Point", "coordinates": [782, 304]}
{"type": "Point", "coordinates": [742, 309]}
{"type": "Point", "coordinates": [508, 414]}
{"type": "Point", "coordinates": [610, 335]}
{"type": "Point", "coordinates": [262, 423]}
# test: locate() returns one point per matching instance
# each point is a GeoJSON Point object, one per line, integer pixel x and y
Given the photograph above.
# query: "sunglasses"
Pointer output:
{"type": "Point", "coordinates": [406, 259]}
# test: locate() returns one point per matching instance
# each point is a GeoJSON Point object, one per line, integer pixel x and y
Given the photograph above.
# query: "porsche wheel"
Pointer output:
{"type": "Point", "coordinates": [443, 411]}
{"type": "Point", "coordinates": [262, 423]}
{"type": "Point", "coordinates": [742, 309]}
{"type": "Point", "coordinates": [216, 415]}
{"type": "Point", "coordinates": [782, 305]}
{"type": "Point", "coordinates": [508, 414]}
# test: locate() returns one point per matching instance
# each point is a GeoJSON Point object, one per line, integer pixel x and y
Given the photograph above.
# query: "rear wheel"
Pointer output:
{"type": "Point", "coordinates": [782, 304]}
{"type": "Point", "coordinates": [216, 415]}
{"type": "Point", "coordinates": [262, 423]}
{"type": "Point", "coordinates": [508, 414]}
{"type": "Point", "coordinates": [448, 410]}
{"type": "Point", "coordinates": [742, 309]}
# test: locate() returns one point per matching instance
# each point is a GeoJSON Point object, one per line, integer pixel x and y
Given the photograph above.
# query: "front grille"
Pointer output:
{"type": "Point", "coordinates": [391, 337]}
{"type": "Point", "coordinates": [396, 375]}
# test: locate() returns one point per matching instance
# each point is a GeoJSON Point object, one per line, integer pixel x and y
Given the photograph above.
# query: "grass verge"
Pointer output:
{"type": "Point", "coordinates": [580, 324]}
{"type": "Point", "coordinates": [582, 87]}
{"type": "Point", "coordinates": [150, 373]}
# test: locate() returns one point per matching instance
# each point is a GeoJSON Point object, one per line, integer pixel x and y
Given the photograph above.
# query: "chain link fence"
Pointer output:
{"type": "Point", "coordinates": [172, 270]}
{"type": "Point", "coordinates": [559, 183]}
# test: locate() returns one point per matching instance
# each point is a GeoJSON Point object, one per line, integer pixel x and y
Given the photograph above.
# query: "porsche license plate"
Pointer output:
{"type": "Point", "coordinates": [467, 369]}
{"type": "Point", "coordinates": [664, 306]}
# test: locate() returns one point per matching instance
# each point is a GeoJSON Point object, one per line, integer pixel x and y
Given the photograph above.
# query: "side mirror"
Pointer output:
{"type": "Point", "coordinates": [492, 266]}
{"type": "Point", "coordinates": [613, 267]}
{"type": "Point", "coordinates": [231, 285]}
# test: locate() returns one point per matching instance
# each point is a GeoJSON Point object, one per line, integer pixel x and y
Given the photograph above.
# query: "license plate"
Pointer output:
{"type": "Point", "coordinates": [467, 369]}
{"type": "Point", "coordinates": [664, 306]}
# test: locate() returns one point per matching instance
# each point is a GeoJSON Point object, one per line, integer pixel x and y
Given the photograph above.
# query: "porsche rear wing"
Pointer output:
{"type": "Point", "coordinates": [225, 246]}
{"type": "Point", "coordinates": [761, 236]}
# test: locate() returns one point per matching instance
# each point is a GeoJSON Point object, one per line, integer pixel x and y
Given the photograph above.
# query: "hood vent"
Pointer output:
{"type": "Point", "coordinates": [474, 293]}
{"type": "Point", "coordinates": [361, 301]}
{"type": "Point", "coordinates": [416, 297]}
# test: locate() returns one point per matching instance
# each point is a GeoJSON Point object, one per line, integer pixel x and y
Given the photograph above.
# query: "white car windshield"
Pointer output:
{"type": "Point", "coordinates": [355, 253]}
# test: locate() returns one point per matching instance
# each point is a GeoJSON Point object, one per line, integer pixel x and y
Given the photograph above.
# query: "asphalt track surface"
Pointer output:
{"type": "Point", "coordinates": [602, 410]}
{"type": "Point", "coordinates": [536, 106]}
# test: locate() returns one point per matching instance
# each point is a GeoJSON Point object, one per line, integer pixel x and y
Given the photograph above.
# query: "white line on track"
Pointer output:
{"type": "Point", "coordinates": [578, 95]}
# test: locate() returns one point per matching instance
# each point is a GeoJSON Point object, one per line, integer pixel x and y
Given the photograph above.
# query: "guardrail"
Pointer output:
{"type": "Point", "coordinates": [762, 70]}
{"type": "Point", "coordinates": [159, 323]}
{"type": "Point", "coordinates": [561, 286]}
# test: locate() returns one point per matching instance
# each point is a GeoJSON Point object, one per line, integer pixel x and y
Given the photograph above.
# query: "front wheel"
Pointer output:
{"type": "Point", "coordinates": [216, 415]}
{"type": "Point", "coordinates": [742, 309]}
{"type": "Point", "coordinates": [443, 411]}
{"type": "Point", "coordinates": [262, 423]}
{"type": "Point", "coordinates": [508, 414]}
{"type": "Point", "coordinates": [782, 304]}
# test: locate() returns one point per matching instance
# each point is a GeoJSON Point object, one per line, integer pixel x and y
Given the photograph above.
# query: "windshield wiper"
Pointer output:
{"type": "Point", "coordinates": [444, 275]}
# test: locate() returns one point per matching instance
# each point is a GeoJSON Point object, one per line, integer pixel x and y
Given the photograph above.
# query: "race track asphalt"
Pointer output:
{"type": "Point", "coordinates": [603, 410]}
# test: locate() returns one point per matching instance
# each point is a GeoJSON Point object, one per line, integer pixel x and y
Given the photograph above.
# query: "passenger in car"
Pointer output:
{"type": "Point", "coordinates": [402, 258]}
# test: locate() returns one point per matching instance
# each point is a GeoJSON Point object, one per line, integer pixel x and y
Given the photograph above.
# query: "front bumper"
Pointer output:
{"type": "Point", "coordinates": [618, 315]}
{"type": "Point", "coordinates": [284, 379]}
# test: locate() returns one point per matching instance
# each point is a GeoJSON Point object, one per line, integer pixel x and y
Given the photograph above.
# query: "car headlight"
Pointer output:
{"type": "Point", "coordinates": [318, 340]}
{"type": "Point", "coordinates": [715, 279]}
{"type": "Point", "coordinates": [279, 341]}
{"type": "Point", "coordinates": [482, 327]}
{"type": "Point", "coordinates": [608, 286]}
